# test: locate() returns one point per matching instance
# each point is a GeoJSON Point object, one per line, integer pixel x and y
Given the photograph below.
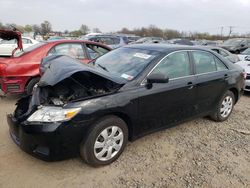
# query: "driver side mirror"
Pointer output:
{"type": "Point", "coordinates": [156, 78]}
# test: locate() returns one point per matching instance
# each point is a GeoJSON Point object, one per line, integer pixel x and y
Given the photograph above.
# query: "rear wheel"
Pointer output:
{"type": "Point", "coordinates": [225, 107]}
{"type": "Point", "coordinates": [105, 142]}
{"type": "Point", "coordinates": [31, 84]}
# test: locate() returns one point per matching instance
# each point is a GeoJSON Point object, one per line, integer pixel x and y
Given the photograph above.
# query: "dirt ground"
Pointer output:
{"type": "Point", "coordinates": [200, 153]}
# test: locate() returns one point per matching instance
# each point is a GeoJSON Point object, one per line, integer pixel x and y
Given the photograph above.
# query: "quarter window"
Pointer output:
{"type": "Point", "coordinates": [174, 66]}
{"type": "Point", "coordinates": [223, 53]}
{"type": "Point", "coordinates": [95, 51]}
{"type": "Point", "coordinates": [220, 66]}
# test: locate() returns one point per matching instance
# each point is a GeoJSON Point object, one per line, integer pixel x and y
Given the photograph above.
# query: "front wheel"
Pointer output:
{"type": "Point", "coordinates": [105, 142]}
{"type": "Point", "coordinates": [225, 107]}
{"type": "Point", "coordinates": [31, 84]}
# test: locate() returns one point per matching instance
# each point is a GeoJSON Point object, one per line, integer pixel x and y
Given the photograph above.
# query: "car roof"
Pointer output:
{"type": "Point", "coordinates": [72, 41]}
{"type": "Point", "coordinates": [164, 47]}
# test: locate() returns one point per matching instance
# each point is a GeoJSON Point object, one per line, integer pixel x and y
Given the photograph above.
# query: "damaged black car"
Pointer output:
{"type": "Point", "coordinates": [93, 110]}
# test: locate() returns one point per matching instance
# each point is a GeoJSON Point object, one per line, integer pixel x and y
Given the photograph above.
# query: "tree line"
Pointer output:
{"type": "Point", "coordinates": [46, 27]}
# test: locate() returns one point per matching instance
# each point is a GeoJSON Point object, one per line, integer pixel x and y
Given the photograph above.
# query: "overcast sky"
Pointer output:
{"type": "Point", "coordinates": [112, 15]}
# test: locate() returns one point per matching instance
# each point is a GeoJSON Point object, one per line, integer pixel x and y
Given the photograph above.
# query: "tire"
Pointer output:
{"type": "Point", "coordinates": [227, 103]}
{"type": "Point", "coordinates": [31, 84]}
{"type": "Point", "coordinates": [96, 150]}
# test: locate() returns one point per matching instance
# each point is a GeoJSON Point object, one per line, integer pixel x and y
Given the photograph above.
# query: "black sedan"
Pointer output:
{"type": "Point", "coordinates": [93, 110]}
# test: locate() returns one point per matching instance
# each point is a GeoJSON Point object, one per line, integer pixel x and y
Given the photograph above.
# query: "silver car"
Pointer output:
{"type": "Point", "coordinates": [228, 55]}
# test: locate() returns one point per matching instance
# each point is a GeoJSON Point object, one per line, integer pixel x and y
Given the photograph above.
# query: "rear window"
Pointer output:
{"type": "Point", "coordinates": [29, 49]}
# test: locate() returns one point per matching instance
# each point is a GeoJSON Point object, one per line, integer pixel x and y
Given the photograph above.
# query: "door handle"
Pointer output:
{"type": "Point", "coordinates": [226, 76]}
{"type": "Point", "coordinates": [190, 85]}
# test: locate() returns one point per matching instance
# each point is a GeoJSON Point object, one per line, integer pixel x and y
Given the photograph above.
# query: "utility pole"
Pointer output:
{"type": "Point", "coordinates": [230, 30]}
{"type": "Point", "coordinates": [221, 32]}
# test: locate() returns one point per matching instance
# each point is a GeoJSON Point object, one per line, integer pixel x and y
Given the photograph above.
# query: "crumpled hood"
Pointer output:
{"type": "Point", "coordinates": [9, 35]}
{"type": "Point", "coordinates": [59, 67]}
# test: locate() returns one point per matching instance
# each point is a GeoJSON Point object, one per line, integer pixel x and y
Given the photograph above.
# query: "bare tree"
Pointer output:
{"type": "Point", "coordinates": [36, 28]}
{"type": "Point", "coordinates": [46, 27]}
{"type": "Point", "coordinates": [84, 29]}
{"type": "Point", "coordinates": [96, 30]}
{"type": "Point", "coordinates": [28, 28]}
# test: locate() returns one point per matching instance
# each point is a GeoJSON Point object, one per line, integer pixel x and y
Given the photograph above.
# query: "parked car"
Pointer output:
{"type": "Point", "coordinates": [246, 66]}
{"type": "Point", "coordinates": [245, 55]}
{"type": "Point", "coordinates": [53, 38]}
{"type": "Point", "coordinates": [20, 73]}
{"type": "Point", "coordinates": [149, 40]}
{"type": "Point", "coordinates": [228, 55]}
{"type": "Point", "coordinates": [236, 45]}
{"type": "Point", "coordinates": [93, 110]}
{"type": "Point", "coordinates": [109, 40]}
{"type": "Point", "coordinates": [7, 46]}
{"type": "Point", "coordinates": [180, 42]}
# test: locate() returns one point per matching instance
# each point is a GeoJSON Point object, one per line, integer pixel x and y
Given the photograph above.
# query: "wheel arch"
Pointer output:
{"type": "Point", "coordinates": [128, 122]}
{"type": "Point", "coordinates": [236, 93]}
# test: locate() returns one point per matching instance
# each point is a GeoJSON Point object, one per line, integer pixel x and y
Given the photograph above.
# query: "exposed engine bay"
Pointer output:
{"type": "Point", "coordinates": [79, 86]}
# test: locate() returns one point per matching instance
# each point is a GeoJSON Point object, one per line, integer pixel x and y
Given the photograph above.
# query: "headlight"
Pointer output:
{"type": "Point", "coordinates": [53, 114]}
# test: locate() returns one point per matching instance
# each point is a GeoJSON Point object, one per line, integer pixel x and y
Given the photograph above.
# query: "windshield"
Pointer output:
{"type": "Point", "coordinates": [233, 41]}
{"type": "Point", "coordinates": [125, 62]}
{"type": "Point", "coordinates": [33, 47]}
{"type": "Point", "coordinates": [246, 52]}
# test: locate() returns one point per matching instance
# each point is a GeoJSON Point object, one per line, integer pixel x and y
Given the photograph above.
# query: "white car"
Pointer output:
{"type": "Point", "coordinates": [245, 55]}
{"type": "Point", "coordinates": [246, 66]}
{"type": "Point", "coordinates": [7, 46]}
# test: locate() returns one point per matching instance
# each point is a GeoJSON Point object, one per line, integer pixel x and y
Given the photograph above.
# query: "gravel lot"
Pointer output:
{"type": "Point", "coordinates": [200, 153]}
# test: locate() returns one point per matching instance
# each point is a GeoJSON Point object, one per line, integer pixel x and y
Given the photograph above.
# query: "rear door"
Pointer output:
{"type": "Point", "coordinates": [212, 77]}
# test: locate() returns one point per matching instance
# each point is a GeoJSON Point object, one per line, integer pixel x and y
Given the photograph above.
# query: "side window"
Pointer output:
{"type": "Point", "coordinates": [116, 40]}
{"type": "Point", "coordinates": [174, 66]}
{"type": "Point", "coordinates": [96, 51]}
{"type": "Point", "coordinates": [220, 66]}
{"type": "Point", "coordinates": [204, 62]}
{"type": "Point", "coordinates": [26, 41]}
{"type": "Point", "coordinates": [71, 49]}
{"type": "Point", "coordinates": [107, 40]}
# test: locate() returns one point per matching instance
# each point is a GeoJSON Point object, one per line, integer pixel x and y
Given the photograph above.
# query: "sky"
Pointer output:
{"type": "Point", "coordinates": [112, 15]}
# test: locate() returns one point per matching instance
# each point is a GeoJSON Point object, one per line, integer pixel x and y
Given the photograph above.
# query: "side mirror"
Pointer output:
{"type": "Point", "coordinates": [156, 78]}
{"type": "Point", "coordinates": [242, 45]}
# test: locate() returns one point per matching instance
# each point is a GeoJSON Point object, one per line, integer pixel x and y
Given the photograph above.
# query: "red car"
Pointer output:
{"type": "Point", "coordinates": [19, 73]}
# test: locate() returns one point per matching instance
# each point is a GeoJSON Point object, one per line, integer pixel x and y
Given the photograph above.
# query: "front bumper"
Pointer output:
{"type": "Point", "coordinates": [247, 85]}
{"type": "Point", "coordinates": [49, 142]}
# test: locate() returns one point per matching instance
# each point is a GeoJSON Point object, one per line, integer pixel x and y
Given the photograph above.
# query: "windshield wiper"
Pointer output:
{"type": "Point", "coordinates": [104, 68]}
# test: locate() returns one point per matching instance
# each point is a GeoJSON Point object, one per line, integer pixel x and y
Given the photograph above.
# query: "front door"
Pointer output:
{"type": "Point", "coordinates": [167, 103]}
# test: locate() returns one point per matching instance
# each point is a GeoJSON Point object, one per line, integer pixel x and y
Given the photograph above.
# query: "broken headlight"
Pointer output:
{"type": "Point", "coordinates": [53, 114]}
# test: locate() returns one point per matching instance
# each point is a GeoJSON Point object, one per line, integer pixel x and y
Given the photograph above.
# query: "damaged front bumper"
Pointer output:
{"type": "Point", "coordinates": [50, 141]}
